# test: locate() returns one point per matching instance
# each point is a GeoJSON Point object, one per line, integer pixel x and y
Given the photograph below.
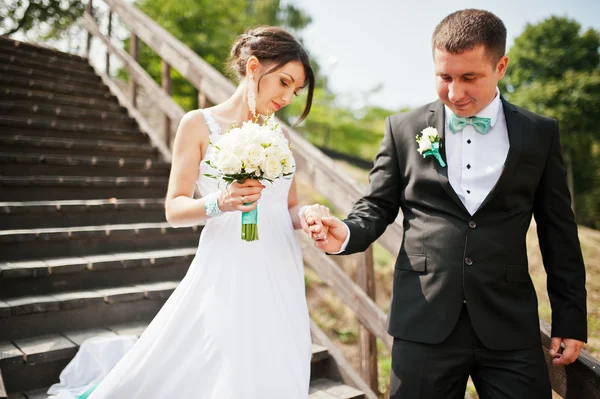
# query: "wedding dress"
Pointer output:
{"type": "Point", "coordinates": [236, 327]}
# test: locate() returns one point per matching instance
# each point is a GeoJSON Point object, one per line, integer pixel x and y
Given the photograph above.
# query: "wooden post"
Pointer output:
{"type": "Point", "coordinates": [133, 51]}
{"type": "Point", "coordinates": [365, 276]}
{"type": "Point", "coordinates": [109, 35]}
{"type": "Point", "coordinates": [202, 100]}
{"type": "Point", "coordinates": [89, 9]}
{"type": "Point", "coordinates": [166, 85]}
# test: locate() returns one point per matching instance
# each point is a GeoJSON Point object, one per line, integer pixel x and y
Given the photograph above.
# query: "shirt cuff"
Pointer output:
{"type": "Point", "coordinates": [345, 243]}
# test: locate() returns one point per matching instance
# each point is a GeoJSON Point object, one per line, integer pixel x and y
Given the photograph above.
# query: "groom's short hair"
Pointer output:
{"type": "Point", "coordinates": [466, 29]}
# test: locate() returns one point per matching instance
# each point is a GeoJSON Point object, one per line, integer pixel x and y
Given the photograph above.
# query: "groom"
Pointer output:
{"type": "Point", "coordinates": [463, 302]}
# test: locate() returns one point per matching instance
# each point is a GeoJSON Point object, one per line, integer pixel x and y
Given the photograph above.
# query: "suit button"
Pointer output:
{"type": "Point", "coordinates": [472, 224]}
{"type": "Point", "coordinates": [468, 261]}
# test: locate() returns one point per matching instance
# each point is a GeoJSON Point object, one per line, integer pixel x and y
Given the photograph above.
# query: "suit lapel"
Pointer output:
{"type": "Point", "coordinates": [515, 138]}
{"type": "Point", "coordinates": [435, 119]}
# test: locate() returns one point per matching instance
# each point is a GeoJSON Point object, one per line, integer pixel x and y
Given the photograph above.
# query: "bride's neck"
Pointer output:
{"type": "Point", "coordinates": [235, 109]}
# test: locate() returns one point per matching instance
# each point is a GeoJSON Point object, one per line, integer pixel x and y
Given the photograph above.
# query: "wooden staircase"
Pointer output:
{"type": "Point", "coordinates": [84, 245]}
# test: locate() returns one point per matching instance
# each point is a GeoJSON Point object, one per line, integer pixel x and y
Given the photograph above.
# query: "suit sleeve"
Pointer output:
{"type": "Point", "coordinates": [379, 207]}
{"type": "Point", "coordinates": [561, 251]}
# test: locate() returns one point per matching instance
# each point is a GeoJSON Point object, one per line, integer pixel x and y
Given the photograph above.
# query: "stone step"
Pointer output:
{"type": "Point", "coordinates": [49, 188]}
{"type": "Point", "coordinates": [56, 145]}
{"type": "Point", "coordinates": [86, 72]}
{"type": "Point", "coordinates": [36, 244]}
{"type": "Point", "coordinates": [91, 81]}
{"type": "Point", "coordinates": [17, 164]}
{"type": "Point", "coordinates": [67, 114]}
{"type": "Point", "coordinates": [14, 94]}
{"type": "Point", "coordinates": [28, 356]}
{"type": "Point", "coordinates": [34, 83]}
{"type": "Point", "coordinates": [32, 50]}
{"type": "Point", "coordinates": [56, 275]}
{"type": "Point", "coordinates": [47, 127]}
{"type": "Point", "coordinates": [48, 214]}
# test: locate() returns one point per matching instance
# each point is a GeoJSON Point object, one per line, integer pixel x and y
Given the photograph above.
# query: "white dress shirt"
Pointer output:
{"type": "Point", "coordinates": [475, 161]}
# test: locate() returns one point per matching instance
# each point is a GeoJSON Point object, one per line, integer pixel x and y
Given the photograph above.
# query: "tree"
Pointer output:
{"type": "Point", "coordinates": [23, 16]}
{"type": "Point", "coordinates": [555, 71]}
{"type": "Point", "coordinates": [209, 28]}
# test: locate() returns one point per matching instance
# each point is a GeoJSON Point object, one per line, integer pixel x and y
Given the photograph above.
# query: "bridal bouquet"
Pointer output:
{"type": "Point", "coordinates": [252, 151]}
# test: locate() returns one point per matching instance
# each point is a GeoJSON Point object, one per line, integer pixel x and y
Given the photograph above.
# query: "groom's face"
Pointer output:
{"type": "Point", "coordinates": [466, 82]}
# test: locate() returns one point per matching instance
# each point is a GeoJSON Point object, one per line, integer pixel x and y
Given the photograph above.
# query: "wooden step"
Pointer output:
{"type": "Point", "coordinates": [51, 127]}
{"type": "Point", "coordinates": [30, 109]}
{"type": "Point", "coordinates": [33, 50]}
{"type": "Point", "coordinates": [327, 389]}
{"type": "Point", "coordinates": [28, 356]}
{"type": "Point", "coordinates": [49, 188]}
{"type": "Point", "coordinates": [27, 317]}
{"type": "Point", "coordinates": [55, 275]}
{"type": "Point", "coordinates": [48, 214]}
{"type": "Point", "coordinates": [39, 96]}
{"type": "Point", "coordinates": [32, 164]}
{"type": "Point", "coordinates": [56, 145]}
{"type": "Point", "coordinates": [51, 64]}
{"type": "Point", "coordinates": [91, 81]}
{"type": "Point", "coordinates": [35, 244]}
{"type": "Point", "coordinates": [34, 83]}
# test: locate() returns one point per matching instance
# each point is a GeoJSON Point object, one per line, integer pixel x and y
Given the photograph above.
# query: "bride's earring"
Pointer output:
{"type": "Point", "coordinates": [251, 95]}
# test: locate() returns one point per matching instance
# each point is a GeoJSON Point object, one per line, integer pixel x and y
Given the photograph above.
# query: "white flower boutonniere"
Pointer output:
{"type": "Point", "coordinates": [429, 144]}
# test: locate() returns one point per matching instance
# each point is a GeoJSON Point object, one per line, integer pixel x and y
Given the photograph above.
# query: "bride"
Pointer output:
{"type": "Point", "coordinates": [237, 326]}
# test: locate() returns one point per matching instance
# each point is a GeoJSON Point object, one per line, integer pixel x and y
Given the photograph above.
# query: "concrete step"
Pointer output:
{"type": "Point", "coordinates": [48, 214]}
{"type": "Point", "coordinates": [35, 244]}
{"type": "Point", "coordinates": [56, 275]}
{"type": "Point", "coordinates": [52, 127]}
{"type": "Point", "coordinates": [34, 145]}
{"type": "Point", "coordinates": [32, 164]}
{"type": "Point", "coordinates": [49, 188]}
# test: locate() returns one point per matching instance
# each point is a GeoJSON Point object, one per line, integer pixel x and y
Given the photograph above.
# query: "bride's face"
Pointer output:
{"type": "Point", "coordinates": [277, 89]}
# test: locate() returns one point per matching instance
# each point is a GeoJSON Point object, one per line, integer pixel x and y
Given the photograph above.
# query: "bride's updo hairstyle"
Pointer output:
{"type": "Point", "coordinates": [272, 46]}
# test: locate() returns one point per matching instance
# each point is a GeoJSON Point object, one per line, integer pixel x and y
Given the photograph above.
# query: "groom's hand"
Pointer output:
{"type": "Point", "coordinates": [570, 352]}
{"type": "Point", "coordinates": [336, 233]}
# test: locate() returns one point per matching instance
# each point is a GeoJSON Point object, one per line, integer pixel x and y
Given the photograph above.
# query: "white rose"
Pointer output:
{"type": "Point", "coordinates": [228, 163]}
{"type": "Point", "coordinates": [253, 155]}
{"type": "Point", "coordinates": [272, 168]}
{"type": "Point", "coordinates": [288, 163]}
{"type": "Point", "coordinates": [431, 133]}
{"type": "Point", "coordinates": [424, 144]}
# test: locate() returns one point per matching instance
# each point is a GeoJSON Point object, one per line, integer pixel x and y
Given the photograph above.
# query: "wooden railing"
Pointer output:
{"type": "Point", "coordinates": [580, 380]}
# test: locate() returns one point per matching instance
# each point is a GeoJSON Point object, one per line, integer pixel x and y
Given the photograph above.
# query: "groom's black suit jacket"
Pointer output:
{"type": "Point", "coordinates": [448, 256]}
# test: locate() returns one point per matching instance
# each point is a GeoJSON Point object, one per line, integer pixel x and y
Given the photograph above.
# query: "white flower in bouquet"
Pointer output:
{"type": "Point", "coordinates": [252, 151]}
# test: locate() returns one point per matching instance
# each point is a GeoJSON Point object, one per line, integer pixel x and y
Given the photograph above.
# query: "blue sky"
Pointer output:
{"type": "Point", "coordinates": [388, 41]}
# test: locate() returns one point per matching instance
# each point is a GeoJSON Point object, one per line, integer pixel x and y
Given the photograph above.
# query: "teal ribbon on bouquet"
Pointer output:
{"type": "Point", "coordinates": [250, 224]}
{"type": "Point", "coordinates": [435, 152]}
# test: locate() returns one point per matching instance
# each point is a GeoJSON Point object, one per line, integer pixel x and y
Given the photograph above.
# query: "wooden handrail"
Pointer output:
{"type": "Point", "coordinates": [574, 381]}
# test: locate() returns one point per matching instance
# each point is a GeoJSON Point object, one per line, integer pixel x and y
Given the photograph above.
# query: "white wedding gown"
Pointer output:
{"type": "Point", "coordinates": [236, 327]}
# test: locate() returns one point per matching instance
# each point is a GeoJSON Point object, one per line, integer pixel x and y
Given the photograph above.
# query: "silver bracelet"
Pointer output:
{"type": "Point", "coordinates": [211, 205]}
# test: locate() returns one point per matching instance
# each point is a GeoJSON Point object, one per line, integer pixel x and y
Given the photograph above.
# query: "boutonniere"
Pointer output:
{"type": "Point", "coordinates": [429, 144]}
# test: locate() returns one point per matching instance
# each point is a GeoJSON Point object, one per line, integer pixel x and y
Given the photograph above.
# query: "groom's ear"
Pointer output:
{"type": "Point", "coordinates": [501, 67]}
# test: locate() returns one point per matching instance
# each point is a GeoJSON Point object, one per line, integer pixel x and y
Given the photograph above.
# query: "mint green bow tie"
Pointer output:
{"type": "Point", "coordinates": [481, 125]}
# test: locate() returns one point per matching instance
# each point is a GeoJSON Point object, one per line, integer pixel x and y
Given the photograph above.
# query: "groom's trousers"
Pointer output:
{"type": "Point", "coordinates": [441, 371]}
